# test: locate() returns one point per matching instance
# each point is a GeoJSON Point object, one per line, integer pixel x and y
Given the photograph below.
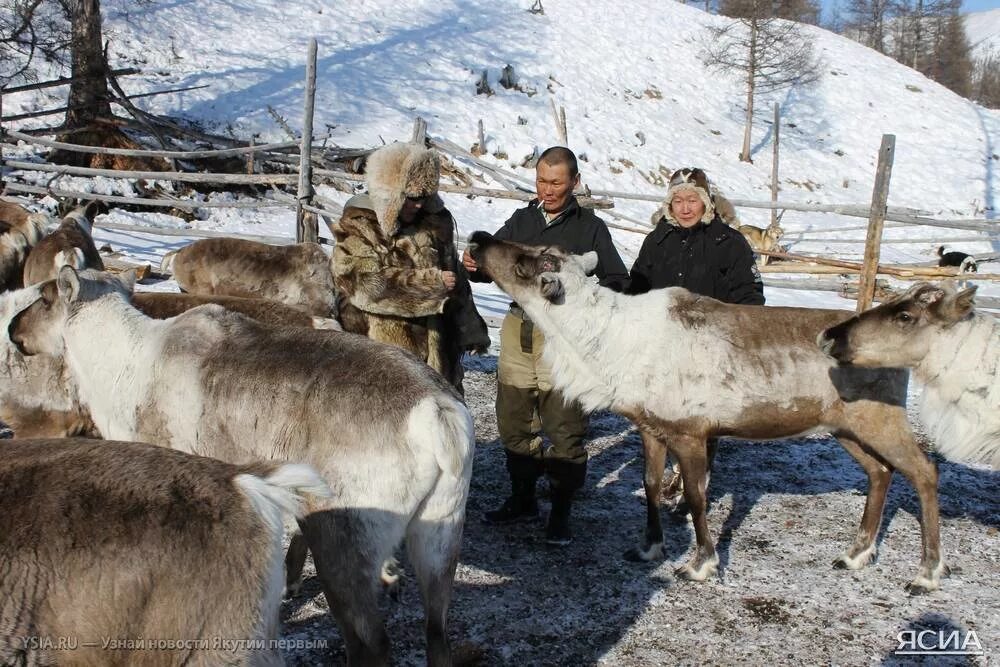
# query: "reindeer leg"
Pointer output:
{"type": "Point", "coordinates": [890, 438]}
{"type": "Point", "coordinates": [910, 460]}
{"type": "Point", "coordinates": [655, 454]}
{"type": "Point", "coordinates": [879, 477]}
{"type": "Point", "coordinates": [693, 458]}
{"type": "Point", "coordinates": [295, 560]}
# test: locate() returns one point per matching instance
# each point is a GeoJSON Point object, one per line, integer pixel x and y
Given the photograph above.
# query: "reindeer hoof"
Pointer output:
{"type": "Point", "coordinates": [914, 588]}
{"type": "Point", "coordinates": [698, 571]}
{"type": "Point", "coordinates": [644, 554]}
{"type": "Point", "coordinates": [928, 580]}
{"type": "Point", "coordinates": [848, 562]}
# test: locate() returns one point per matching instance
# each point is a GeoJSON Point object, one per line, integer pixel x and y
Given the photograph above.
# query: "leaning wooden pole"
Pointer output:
{"type": "Point", "coordinates": [307, 225]}
{"type": "Point", "coordinates": [880, 195]}
{"type": "Point", "coordinates": [774, 165]}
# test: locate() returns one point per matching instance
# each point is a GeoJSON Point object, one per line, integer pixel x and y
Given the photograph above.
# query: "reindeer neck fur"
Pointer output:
{"type": "Point", "coordinates": [961, 394]}
{"type": "Point", "coordinates": [594, 342]}
{"type": "Point", "coordinates": [113, 371]}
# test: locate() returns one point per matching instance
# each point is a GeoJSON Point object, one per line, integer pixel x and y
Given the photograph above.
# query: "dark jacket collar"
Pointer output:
{"type": "Point", "coordinates": [571, 210]}
{"type": "Point", "coordinates": [664, 229]}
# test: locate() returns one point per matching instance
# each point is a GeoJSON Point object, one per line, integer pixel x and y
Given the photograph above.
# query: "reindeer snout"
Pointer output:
{"type": "Point", "coordinates": [831, 341]}
{"type": "Point", "coordinates": [477, 240]}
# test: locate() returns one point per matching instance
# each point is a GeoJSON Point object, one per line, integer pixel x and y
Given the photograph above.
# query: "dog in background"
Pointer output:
{"type": "Point", "coordinates": [963, 260]}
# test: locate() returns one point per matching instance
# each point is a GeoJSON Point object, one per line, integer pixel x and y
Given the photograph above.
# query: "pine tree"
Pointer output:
{"type": "Point", "coordinates": [951, 64]}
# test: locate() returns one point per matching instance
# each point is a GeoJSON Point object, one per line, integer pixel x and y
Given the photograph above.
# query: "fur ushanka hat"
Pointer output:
{"type": "Point", "coordinates": [398, 171]}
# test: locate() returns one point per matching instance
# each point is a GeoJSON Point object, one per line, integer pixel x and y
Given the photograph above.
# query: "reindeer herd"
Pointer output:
{"type": "Point", "coordinates": [241, 403]}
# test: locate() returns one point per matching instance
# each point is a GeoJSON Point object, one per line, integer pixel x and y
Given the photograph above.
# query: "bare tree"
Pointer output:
{"type": "Point", "coordinates": [30, 30]}
{"type": "Point", "coordinates": [986, 79]}
{"type": "Point", "coordinates": [769, 53]}
{"type": "Point", "coordinates": [866, 21]}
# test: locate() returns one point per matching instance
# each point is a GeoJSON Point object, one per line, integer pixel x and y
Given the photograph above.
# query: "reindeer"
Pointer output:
{"type": "Point", "coordinates": [687, 368]}
{"type": "Point", "coordinates": [955, 353]}
{"type": "Point", "coordinates": [161, 305]}
{"type": "Point", "coordinates": [392, 437]}
{"type": "Point", "coordinates": [132, 543]}
{"type": "Point", "coordinates": [298, 275]}
{"type": "Point", "coordinates": [763, 239]}
{"type": "Point", "coordinates": [70, 244]}
{"type": "Point", "coordinates": [20, 230]}
{"type": "Point", "coordinates": [38, 396]}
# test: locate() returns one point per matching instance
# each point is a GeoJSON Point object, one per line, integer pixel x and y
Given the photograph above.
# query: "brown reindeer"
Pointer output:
{"type": "Point", "coordinates": [20, 230]}
{"type": "Point", "coordinates": [955, 353]}
{"type": "Point", "coordinates": [106, 547]}
{"type": "Point", "coordinates": [687, 368]}
{"type": "Point", "coordinates": [70, 244]}
{"type": "Point", "coordinates": [298, 275]}
{"type": "Point", "coordinates": [161, 305]}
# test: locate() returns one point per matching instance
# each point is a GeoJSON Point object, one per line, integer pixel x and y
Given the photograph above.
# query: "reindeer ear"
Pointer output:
{"type": "Point", "coordinates": [589, 262]}
{"type": "Point", "coordinates": [965, 302]}
{"type": "Point", "coordinates": [552, 288]}
{"type": "Point", "coordinates": [68, 283]}
{"type": "Point", "coordinates": [127, 280]}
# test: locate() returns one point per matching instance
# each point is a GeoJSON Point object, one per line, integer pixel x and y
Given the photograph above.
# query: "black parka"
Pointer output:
{"type": "Point", "coordinates": [710, 259]}
{"type": "Point", "coordinates": [577, 230]}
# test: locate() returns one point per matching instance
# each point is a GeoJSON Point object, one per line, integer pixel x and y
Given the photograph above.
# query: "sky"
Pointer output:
{"type": "Point", "coordinates": [979, 5]}
{"type": "Point", "coordinates": [967, 5]}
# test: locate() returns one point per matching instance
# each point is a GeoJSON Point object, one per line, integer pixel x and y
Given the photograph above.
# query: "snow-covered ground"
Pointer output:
{"type": "Point", "coordinates": [639, 103]}
{"type": "Point", "coordinates": [983, 30]}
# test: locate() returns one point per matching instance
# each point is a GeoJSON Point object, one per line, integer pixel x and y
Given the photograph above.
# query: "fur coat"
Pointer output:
{"type": "Point", "coordinates": [388, 274]}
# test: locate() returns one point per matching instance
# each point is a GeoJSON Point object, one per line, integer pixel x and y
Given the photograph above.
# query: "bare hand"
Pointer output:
{"type": "Point", "coordinates": [448, 278]}
{"type": "Point", "coordinates": [469, 263]}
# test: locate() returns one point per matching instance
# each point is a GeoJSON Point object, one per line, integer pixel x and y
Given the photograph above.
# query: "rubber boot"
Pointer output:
{"type": "Point", "coordinates": [522, 504]}
{"type": "Point", "coordinates": [565, 478]}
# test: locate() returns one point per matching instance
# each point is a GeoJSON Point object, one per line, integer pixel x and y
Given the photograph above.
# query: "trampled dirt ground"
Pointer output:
{"type": "Point", "coordinates": [781, 513]}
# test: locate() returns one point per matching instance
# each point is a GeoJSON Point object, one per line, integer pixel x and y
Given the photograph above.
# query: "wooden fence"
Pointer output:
{"type": "Point", "coordinates": [309, 167]}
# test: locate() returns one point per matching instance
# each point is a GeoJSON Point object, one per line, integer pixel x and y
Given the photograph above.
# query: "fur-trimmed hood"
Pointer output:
{"type": "Point", "coordinates": [696, 181]}
{"type": "Point", "coordinates": [398, 171]}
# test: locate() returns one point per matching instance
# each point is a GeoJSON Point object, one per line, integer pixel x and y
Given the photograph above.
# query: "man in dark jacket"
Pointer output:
{"type": "Point", "coordinates": [692, 248]}
{"type": "Point", "coordinates": [526, 400]}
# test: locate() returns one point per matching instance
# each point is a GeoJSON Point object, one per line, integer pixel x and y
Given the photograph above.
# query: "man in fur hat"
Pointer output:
{"type": "Point", "coordinates": [691, 247]}
{"type": "Point", "coordinates": [396, 268]}
{"type": "Point", "coordinates": [527, 402]}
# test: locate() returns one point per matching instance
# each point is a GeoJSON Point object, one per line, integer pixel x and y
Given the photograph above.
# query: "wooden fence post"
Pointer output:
{"type": "Point", "coordinates": [306, 224]}
{"type": "Point", "coordinates": [1, 137]}
{"type": "Point", "coordinates": [560, 121]}
{"type": "Point", "coordinates": [774, 166]}
{"type": "Point", "coordinates": [880, 195]}
{"type": "Point", "coordinates": [419, 131]}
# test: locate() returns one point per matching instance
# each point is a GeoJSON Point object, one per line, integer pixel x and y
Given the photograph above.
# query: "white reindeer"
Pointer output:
{"type": "Point", "coordinates": [686, 368]}
{"type": "Point", "coordinates": [392, 438]}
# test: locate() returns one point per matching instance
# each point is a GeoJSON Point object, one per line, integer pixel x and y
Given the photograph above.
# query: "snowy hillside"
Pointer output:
{"type": "Point", "coordinates": [983, 29]}
{"type": "Point", "coordinates": [638, 100]}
